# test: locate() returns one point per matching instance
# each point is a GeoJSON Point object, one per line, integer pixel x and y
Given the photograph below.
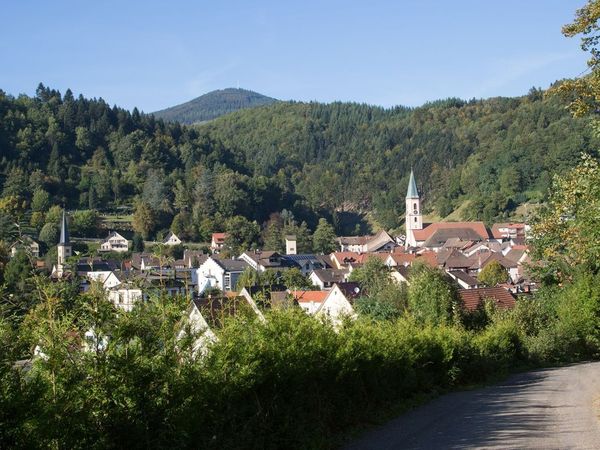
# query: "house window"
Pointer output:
{"type": "Point", "coordinates": [227, 281]}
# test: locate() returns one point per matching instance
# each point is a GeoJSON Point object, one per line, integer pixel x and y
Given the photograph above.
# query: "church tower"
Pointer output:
{"type": "Point", "coordinates": [64, 246]}
{"type": "Point", "coordinates": [414, 218]}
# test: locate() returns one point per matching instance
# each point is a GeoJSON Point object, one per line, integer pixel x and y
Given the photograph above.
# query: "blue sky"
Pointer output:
{"type": "Point", "coordinates": [155, 54]}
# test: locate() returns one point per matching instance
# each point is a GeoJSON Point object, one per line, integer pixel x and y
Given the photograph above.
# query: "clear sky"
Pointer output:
{"type": "Point", "coordinates": [155, 54]}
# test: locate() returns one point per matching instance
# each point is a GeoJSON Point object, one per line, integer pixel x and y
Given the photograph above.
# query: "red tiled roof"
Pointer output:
{"type": "Point", "coordinates": [472, 298]}
{"type": "Point", "coordinates": [428, 231]}
{"type": "Point", "coordinates": [309, 296]}
{"type": "Point", "coordinates": [402, 259]}
{"type": "Point", "coordinates": [428, 257]}
{"type": "Point", "coordinates": [219, 237]}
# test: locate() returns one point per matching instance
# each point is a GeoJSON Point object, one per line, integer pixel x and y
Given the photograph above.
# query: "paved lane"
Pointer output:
{"type": "Point", "coordinates": [546, 409]}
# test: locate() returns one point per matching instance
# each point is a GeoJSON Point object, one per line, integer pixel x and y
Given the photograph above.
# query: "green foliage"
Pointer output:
{"type": "Point", "coordinates": [17, 271]}
{"type": "Point", "coordinates": [137, 242]}
{"type": "Point", "coordinates": [144, 220]}
{"type": "Point", "coordinates": [49, 234]}
{"type": "Point", "coordinates": [324, 238]}
{"type": "Point", "coordinates": [432, 297]}
{"type": "Point", "coordinates": [293, 279]}
{"type": "Point", "coordinates": [566, 232]}
{"type": "Point", "coordinates": [313, 160]}
{"type": "Point", "coordinates": [40, 201]}
{"type": "Point", "coordinates": [85, 223]}
{"type": "Point", "coordinates": [382, 298]}
{"type": "Point", "coordinates": [242, 234]}
{"type": "Point", "coordinates": [493, 274]}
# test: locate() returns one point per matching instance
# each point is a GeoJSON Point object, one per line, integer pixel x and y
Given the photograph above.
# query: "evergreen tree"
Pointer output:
{"type": "Point", "coordinates": [324, 238]}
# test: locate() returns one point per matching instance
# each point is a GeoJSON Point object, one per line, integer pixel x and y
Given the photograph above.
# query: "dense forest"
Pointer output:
{"type": "Point", "coordinates": [296, 161]}
{"type": "Point", "coordinates": [212, 105]}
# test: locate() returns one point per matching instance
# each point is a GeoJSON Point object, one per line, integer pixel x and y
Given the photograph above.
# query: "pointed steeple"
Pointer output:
{"type": "Point", "coordinates": [412, 187]}
{"type": "Point", "coordinates": [64, 231]}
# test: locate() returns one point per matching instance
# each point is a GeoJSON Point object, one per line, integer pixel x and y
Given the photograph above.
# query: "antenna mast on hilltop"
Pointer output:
{"type": "Point", "coordinates": [238, 84]}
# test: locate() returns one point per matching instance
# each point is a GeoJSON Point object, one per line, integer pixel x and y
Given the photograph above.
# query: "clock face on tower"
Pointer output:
{"type": "Point", "coordinates": [415, 212]}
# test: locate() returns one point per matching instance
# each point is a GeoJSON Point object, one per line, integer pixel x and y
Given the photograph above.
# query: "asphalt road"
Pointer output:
{"type": "Point", "coordinates": [546, 409]}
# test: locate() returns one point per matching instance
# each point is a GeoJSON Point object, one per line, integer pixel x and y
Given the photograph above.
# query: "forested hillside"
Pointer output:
{"type": "Point", "coordinates": [212, 105]}
{"type": "Point", "coordinates": [308, 159]}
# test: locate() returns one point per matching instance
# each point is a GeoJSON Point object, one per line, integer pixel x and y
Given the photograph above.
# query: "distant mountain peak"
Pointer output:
{"type": "Point", "coordinates": [213, 104]}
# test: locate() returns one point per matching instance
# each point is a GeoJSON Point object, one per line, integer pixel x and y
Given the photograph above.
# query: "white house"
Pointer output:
{"type": "Point", "coordinates": [207, 314]}
{"type": "Point", "coordinates": [26, 244]}
{"type": "Point", "coordinates": [108, 279]}
{"type": "Point", "coordinates": [217, 242]}
{"type": "Point", "coordinates": [379, 242]}
{"type": "Point", "coordinates": [114, 243]}
{"type": "Point", "coordinates": [125, 296]}
{"type": "Point", "coordinates": [219, 273]}
{"type": "Point", "coordinates": [339, 302]}
{"type": "Point", "coordinates": [309, 301]}
{"type": "Point", "coordinates": [171, 239]}
{"type": "Point", "coordinates": [326, 278]}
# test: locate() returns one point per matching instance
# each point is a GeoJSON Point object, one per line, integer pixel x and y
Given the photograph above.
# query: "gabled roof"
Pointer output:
{"type": "Point", "coordinates": [330, 275]}
{"type": "Point", "coordinates": [472, 298]}
{"type": "Point", "coordinates": [266, 258]}
{"type": "Point", "coordinates": [309, 296]}
{"type": "Point", "coordinates": [219, 238]}
{"type": "Point", "coordinates": [217, 309]}
{"type": "Point", "coordinates": [231, 265]}
{"type": "Point", "coordinates": [464, 277]}
{"type": "Point", "coordinates": [170, 234]}
{"type": "Point", "coordinates": [515, 254]}
{"type": "Point", "coordinates": [189, 256]}
{"type": "Point", "coordinates": [504, 262]}
{"type": "Point", "coordinates": [114, 234]}
{"type": "Point", "coordinates": [24, 240]}
{"type": "Point", "coordinates": [303, 258]}
{"type": "Point", "coordinates": [379, 240]}
{"type": "Point", "coordinates": [351, 290]}
{"type": "Point", "coordinates": [402, 259]}
{"type": "Point", "coordinates": [442, 235]}
{"type": "Point", "coordinates": [456, 260]}
{"type": "Point", "coordinates": [430, 229]}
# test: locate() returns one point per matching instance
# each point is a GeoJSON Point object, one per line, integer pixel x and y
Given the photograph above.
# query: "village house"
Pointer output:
{"type": "Point", "coordinates": [206, 315]}
{"type": "Point", "coordinates": [219, 273]}
{"type": "Point", "coordinates": [171, 239]}
{"type": "Point", "coordinates": [326, 278]}
{"type": "Point", "coordinates": [26, 244]}
{"type": "Point", "coordinates": [401, 274]}
{"type": "Point", "coordinates": [309, 301]}
{"type": "Point", "coordinates": [506, 231]}
{"type": "Point", "coordinates": [114, 243]}
{"type": "Point", "coordinates": [125, 295]}
{"type": "Point", "coordinates": [308, 262]}
{"type": "Point", "coordinates": [261, 260]}
{"type": "Point", "coordinates": [379, 242]}
{"type": "Point", "coordinates": [339, 302]}
{"type": "Point", "coordinates": [217, 242]}
{"type": "Point", "coordinates": [463, 279]}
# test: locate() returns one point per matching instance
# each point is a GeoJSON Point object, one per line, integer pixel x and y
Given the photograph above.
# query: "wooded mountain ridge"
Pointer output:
{"type": "Point", "coordinates": [212, 105]}
{"type": "Point", "coordinates": [309, 159]}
